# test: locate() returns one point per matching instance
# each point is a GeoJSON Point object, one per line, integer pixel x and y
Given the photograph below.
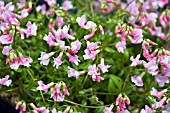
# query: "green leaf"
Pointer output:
{"type": "Point", "coordinates": [115, 84]}
{"type": "Point", "coordinates": [109, 49]}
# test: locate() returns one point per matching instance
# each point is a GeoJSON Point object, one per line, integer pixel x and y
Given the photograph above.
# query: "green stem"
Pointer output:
{"type": "Point", "coordinates": [68, 101]}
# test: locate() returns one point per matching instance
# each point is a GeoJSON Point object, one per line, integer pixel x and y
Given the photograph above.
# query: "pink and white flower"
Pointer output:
{"type": "Point", "coordinates": [5, 81]}
{"type": "Point", "coordinates": [73, 73]}
{"type": "Point", "coordinates": [161, 80]}
{"type": "Point", "coordinates": [58, 61]}
{"type": "Point", "coordinates": [44, 87]}
{"type": "Point", "coordinates": [45, 58]}
{"type": "Point", "coordinates": [75, 47]}
{"type": "Point", "coordinates": [94, 73]}
{"type": "Point", "coordinates": [6, 39]}
{"type": "Point", "coordinates": [108, 109]}
{"type": "Point", "coordinates": [91, 50]}
{"type": "Point", "coordinates": [154, 92]}
{"type": "Point", "coordinates": [103, 67]}
{"type": "Point", "coordinates": [121, 46]}
{"type": "Point", "coordinates": [159, 104]}
{"type": "Point", "coordinates": [39, 109]}
{"type": "Point", "coordinates": [138, 79]}
{"type": "Point", "coordinates": [59, 92]}
{"type": "Point", "coordinates": [31, 29]}
{"type": "Point", "coordinates": [135, 61]}
{"type": "Point", "coordinates": [146, 110]}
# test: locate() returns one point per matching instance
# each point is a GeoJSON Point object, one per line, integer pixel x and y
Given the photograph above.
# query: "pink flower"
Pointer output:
{"type": "Point", "coordinates": [73, 58]}
{"type": "Point", "coordinates": [5, 81]}
{"type": "Point", "coordinates": [58, 61]}
{"type": "Point", "coordinates": [138, 79]}
{"type": "Point", "coordinates": [121, 46]}
{"type": "Point", "coordinates": [103, 67]}
{"type": "Point", "coordinates": [94, 73]}
{"type": "Point", "coordinates": [10, 18]}
{"type": "Point", "coordinates": [6, 50]}
{"type": "Point", "coordinates": [59, 22]}
{"type": "Point", "coordinates": [101, 29]}
{"type": "Point", "coordinates": [81, 21]}
{"type": "Point", "coordinates": [152, 66]}
{"type": "Point", "coordinates": [59, 92]}
{"type": "Point", "coordinates": [91, 50]}
{"type": "Point", "coordinates": [50, 2]}
{"type": "Point", "coordinates": [45, 57]}
{"type": "Point", "coordinates": [147, 110]}
{"type": "Point", "coordinates": [75, 47]}
{"type": "Point", "coordinates": [22, 107]}
{"type": "Point", "coordinates": [43, 86]}
{"type": "Point", "coordinates": [137, 34]}
{"type": "Point", "coordinates": [31, 29]}
{"type": "Point", "coordinates": [62, 45]}
{"type": "Point", "coordinates": [67, 5]}
{"type": "Point", "coordinates": [6, 39]}
{"type": "Point", "coordinates": [159, 104]}
{"type": "Point", "coordinates": [73, 73]}
{"type": "Point", "coordinates": [154, 92]}
{"type": "Point", "coordinates": [133, 8]}
{"type": "Point", "coordinates": [92, 27]}
{"type": "Point", "coordinates": [121, 102]}
{"type": "Point", "coordinates": [25, 61]}
{"type": "Point", "coordinates": [50, 39]}
{"type": "Point", "coordinates": [14, 63]}
{"type": "Point", "coordinates": [161, 80]}
{"type": "Point", "coordinates": [39, 110]}
{"type": "Point", "coordinates": [108, 109]}
{"type": "Point", "coordinates": [135, 61]}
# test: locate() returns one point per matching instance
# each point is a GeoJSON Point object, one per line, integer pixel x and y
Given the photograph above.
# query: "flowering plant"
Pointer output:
{"type": "Point", "coordinates": [85, 56]}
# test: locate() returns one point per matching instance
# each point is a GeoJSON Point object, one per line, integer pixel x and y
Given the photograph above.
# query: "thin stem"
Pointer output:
{"type": "Point", "coordinates": [68, 101]}
{"type": "Point", "coordinates": [127, 78]}
{"type": "Point", "coordinates": [36, 83]}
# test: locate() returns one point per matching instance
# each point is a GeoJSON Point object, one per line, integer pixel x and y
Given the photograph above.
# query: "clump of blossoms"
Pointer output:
{"type": "Point", "coordinates": [86, 56]}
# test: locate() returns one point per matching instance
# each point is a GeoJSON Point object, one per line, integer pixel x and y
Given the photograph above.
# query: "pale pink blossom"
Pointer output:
{"type": "Point", "coordinates": [5, 81]}
{"type": "Point", "coordinates": [58, 61]}
{"type": "Point", "coordinates": [44, 87]}
{"type": "Point", "coordinates": [39, 109]}
{"type": "Point", "coordinates": [101, 29]}
{"type": "Point", "coordinates": [121, 46]}
{"type": "Point", "coordinates": [6, 50]}
{"type": "Point", "coordinates": [137, 34]}
{"type": "Point", "coordinates": [14, 63]}
{"type": "Point", "coordinates": [62, 45]}
{"type": "Point", "coordinates": [152, 66]}
{"type": "Point", "coordinates": [50, 2]}
{"type": "Point", "coordinates": [73, 73]}
{"type": "Point", "coordinates": [103, 67]}
{"type": "Point", "coordinates": [135, 61]}
{"type": "Point", "coordinates": [159, 104]}
{"type": "Point", "coordinates": [45, 58]}
{"type": "Point", "coordinates": [59, 22]}
{"type": "Point", "coordinates": [92, 27]}
{"type": "Point", "coordinates": [59, 92]}
{"type": "Point", "coordinates": [67, 5]}
{"type": "Point", "coordinates": [50, 39]}
{"type": "Point", "coordinates": [75, 47]}
{"type": "Point", "coordinates": [94, 73]}
{"type": "Point", "coordinates": [81, 21]}
{"type": "Point", "coordinates": [133, 8]}
{"type": "Point", "coordinates": [154, 92]}
{"type": "Point", "coordinates": [22, 106]}
{"type": "Point", "coordinates": [91, 51]}
{"type": "Point", "coordinates": [161, 80]}
{"type": "Point", "coordinates": [73, 58]}
{"type": "Point", "coordinates": [108, 109]}
{"type": "Point", "coordinates": [6, 39]}
{"type": "Point", "coordinates": [25, 61]}
{"type": "Point", "coordinates": [146, 110]}
{"type": "Point", "coordinates": [31, 29]}
{"type": "Point", "coordinates": [138, 79]}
